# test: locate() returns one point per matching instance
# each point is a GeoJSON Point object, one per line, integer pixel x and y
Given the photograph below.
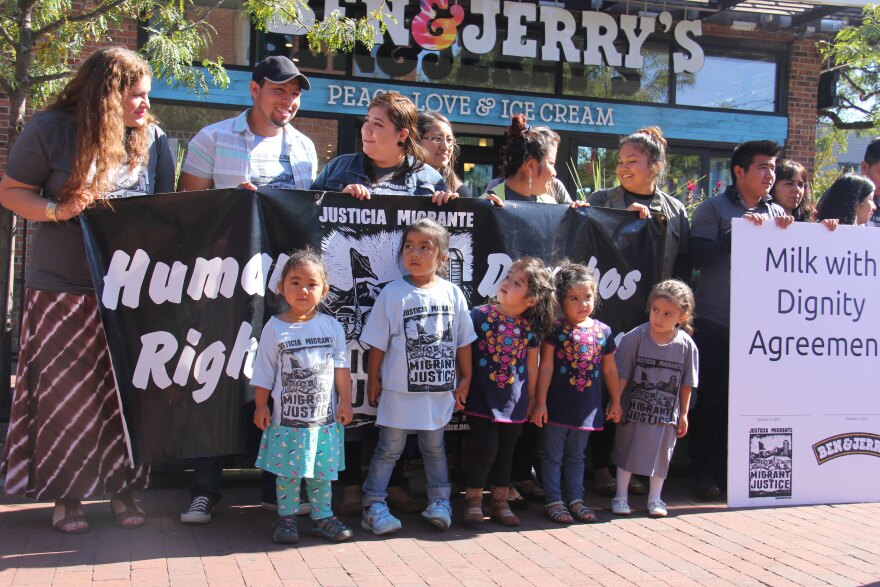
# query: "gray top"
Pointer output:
{"type": "Point", "coordinates": [710, 250]}
{"type": "Point", "coordinates": [42, 157]}
{"type": "Point", "coordinates": [655, 374]}
{"type": "Point", "coordinates": [558, 194]}
{"type": "Point", "coordinates": [665, 209]}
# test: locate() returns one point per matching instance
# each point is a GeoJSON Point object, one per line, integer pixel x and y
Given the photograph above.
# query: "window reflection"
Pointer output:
{"type": "Point", "coordinates": [648, 84]}
{"type": "Point", "coordinates": [454, 66]}
{"type": "Point", "coordinates": [739, 82]}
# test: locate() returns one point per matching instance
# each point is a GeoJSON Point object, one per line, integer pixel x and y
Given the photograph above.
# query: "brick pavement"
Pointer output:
{"type": "Point", "coordinates": [698, 544]}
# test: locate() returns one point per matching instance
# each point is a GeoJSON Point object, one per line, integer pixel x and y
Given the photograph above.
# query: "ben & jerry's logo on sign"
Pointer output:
{"type": "Point", "coordinates": [842, 445]}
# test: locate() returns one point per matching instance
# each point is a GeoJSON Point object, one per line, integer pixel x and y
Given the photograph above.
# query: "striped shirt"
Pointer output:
{"type": "Point", "coordinates": [221, 152]}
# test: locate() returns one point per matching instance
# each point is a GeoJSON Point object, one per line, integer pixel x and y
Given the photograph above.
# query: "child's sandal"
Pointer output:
{"type": "Point", "coordinates": [558, 513]}
{"type": "Point", "coordinates": [581, 512]}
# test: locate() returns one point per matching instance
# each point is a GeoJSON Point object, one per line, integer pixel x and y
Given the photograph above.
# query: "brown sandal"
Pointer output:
{"type": "Point", "coordinates": [130, 512]}
{"type": "Point", "coordinates": [71, 514]}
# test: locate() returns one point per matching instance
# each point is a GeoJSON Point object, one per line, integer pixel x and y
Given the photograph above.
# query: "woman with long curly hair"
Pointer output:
{"type": "Point", "coordinates": [97, 141]}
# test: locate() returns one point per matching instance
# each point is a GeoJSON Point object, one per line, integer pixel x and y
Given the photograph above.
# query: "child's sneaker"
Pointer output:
{"type": "Point", "coordinates": [656, 508]}
{"type": "Point", "coordinates": [284, 531]}
{"type": "Point", "coordinates": [378, 519]}
{"type": "Point", "coordinates": [620, 506]}
{"type": "Point", "coordinates": [439, 512]}
{"type": "Point", "coordinates": [331, 529]}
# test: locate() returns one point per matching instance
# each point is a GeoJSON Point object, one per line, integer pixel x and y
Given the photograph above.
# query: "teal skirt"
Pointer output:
{"type": "Point", "coordinates": [316, 453]}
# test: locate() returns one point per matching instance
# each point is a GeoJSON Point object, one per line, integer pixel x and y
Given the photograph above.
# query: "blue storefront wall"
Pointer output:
{"type": "Point", "coordinates": [348, 96]}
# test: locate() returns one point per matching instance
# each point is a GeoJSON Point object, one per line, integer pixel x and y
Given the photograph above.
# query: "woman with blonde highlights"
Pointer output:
{"type": "Point", "coordinates": [392, 161]}
{"type": "Point", "coordinates": [97, 141]}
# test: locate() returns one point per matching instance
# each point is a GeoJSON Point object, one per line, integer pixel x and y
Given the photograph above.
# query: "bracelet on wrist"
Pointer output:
{"type": "Point", "coordinates": [51, 211]}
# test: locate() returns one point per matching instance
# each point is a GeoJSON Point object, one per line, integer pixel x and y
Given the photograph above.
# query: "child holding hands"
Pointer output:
{"type": "Point", "coordinates": [657, 362]}
{"type": "Point", "coordinates": [502, 394]}
{"type": "Point", "coordinates": [575, 358]}
{"type": "Point", "coordinates": [303, 364]}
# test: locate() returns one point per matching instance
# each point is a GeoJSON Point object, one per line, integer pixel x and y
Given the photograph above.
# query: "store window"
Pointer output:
{"type": "Point", "coordinates": [455, 66]}
{"type": "Point", "coordinates": [231, 39]}
{"type": "Point", "coordinates": [730, 80]}
{"type": "Point", "coordinates": [685, 178]}
{"type": "Point", "coordinates": [650, 83]}
{"type": "Point", "coordinates": [296, 48]}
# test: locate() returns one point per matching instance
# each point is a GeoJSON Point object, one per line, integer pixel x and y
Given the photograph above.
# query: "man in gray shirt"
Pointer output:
{"type": "Point", "coordinates": [753, 171]}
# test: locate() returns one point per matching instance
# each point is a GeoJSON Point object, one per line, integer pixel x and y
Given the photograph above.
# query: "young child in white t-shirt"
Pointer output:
{"type": "Point", "coordinates": [419, 333]}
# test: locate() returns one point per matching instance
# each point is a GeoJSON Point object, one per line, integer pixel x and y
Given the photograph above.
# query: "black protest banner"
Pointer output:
{"type": "Point", "coordinates": [186, 281]}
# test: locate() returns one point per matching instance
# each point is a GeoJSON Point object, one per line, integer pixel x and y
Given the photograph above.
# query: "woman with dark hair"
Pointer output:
{"type": "Point", "coordinates": [848, 200]}
{"type": "Point", "coordinates": [528, 165]}
{"type": "Point", "coordinates": [97, 141]}
{"type": "Point", "coordinates": [641, 170]}
{"type": "Point", "coordinates": [792, 191]}
{"type": "Point", "coordinates": [441, 149]}
{"type": "Point", "coordinates": [392, 161]}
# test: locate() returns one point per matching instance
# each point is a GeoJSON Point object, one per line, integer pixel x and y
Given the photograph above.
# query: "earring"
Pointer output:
{"type": "Point", "coordinates": [530, 184]}
{"type": "Point", "coordinates": [399, 143]}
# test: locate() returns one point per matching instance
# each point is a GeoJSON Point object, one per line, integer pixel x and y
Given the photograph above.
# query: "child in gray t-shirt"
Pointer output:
{"type": "Point", "coordinates": [657, 363]}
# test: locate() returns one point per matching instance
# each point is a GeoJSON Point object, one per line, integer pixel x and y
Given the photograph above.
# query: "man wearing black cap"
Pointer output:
{"type": "Point", "coordinates": [260, 147]}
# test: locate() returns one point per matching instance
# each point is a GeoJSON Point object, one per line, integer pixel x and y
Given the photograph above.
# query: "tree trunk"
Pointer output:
{"type": "Point", "coordinates": [17, 105]}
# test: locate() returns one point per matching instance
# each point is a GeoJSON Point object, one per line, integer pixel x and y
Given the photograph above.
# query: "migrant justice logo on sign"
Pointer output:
{"type": "Point", "coordinates": [803, 364]}
{"type": "Point", "coordinates": [185, 289]}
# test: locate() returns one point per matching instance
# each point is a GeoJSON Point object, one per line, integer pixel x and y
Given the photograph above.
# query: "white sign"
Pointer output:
{"type": "Point", "coordinates": [804, 423]}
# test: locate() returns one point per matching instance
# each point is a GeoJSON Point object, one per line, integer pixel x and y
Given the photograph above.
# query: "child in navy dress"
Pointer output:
{"type": "Point", "coordinates": [505, 373]}
{"type": "Point", "coordinates": [575, 358]}
{"type": "Point", "coordinates": [303, 364]}
{"type": "Point", "coordinates": [657, 363]}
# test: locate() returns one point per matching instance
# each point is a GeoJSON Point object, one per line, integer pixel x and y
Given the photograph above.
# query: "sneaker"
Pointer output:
{"type": "Point", "coordinates": [199, 510]}
{"type": "Point", "coordinates": [284, 530]}
{"type": "Point", "coordinates": [656, 508]}
{"type": "Point", "coordinates": [620, 506]}
{"type": "Point", "coordinates": [439, 513]}
{"type": "Point", "coordinates": [331, 529]}
{"type": "Point", "coordinates": [377, 519]}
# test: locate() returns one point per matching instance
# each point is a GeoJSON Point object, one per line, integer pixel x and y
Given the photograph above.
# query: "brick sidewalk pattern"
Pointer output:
{"type": "Point", "coordinates": [698, 544]}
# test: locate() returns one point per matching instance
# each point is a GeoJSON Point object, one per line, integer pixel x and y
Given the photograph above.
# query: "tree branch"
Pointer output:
{"type": "Point", "coordinates": [842, 124]}
{"type": "Point", "coordinates": [49, 77]}
{"type": "Point", "coordinates": [9, 38]}
{"type": "Point", "coordinates": [84, 17]}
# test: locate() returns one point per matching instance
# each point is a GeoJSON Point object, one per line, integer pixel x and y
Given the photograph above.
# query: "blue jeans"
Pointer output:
{"type": "Point", "coordinates": [562, 463]}
{"type": "Point", "coordinates": [388, 450]}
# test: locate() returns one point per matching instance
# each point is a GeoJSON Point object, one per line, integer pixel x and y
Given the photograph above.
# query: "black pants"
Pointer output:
{"type": "Point", "coordinates": [709, 420]}
{"type": "Point", "coordinates": [525, 454]}
{"type": "Point", "coordinates": [491, 457]}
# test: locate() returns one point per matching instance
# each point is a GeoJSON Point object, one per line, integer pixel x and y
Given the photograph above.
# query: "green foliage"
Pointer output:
{"type": "Point", "coordinates": [41, 41]}
{"type": "Point", "coordinates": [854, 53]}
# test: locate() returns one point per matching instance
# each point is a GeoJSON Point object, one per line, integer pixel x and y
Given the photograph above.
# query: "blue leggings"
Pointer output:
{"type": "Point", "coordinates": [319, 491]}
